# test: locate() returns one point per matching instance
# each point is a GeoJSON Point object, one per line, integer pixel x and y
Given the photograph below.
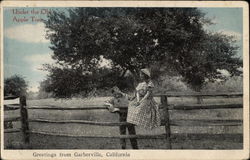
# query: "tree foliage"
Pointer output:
{"type": "Point", "coordinates": [15, 85]}
{"type": "Point", "coordinates": [167, 40]}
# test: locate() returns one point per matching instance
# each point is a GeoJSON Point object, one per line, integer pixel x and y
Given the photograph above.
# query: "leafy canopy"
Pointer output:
{"type": "Point", "coordinates": [167, 40]}
{"type": "Point", "coordinates": [15, 85]}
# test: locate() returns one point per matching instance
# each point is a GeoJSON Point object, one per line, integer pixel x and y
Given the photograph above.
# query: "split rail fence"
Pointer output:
{"type": "Point", "coordinates": [166, 122]}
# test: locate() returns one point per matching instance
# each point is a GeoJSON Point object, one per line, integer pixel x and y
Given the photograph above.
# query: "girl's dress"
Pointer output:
{"type": "Point", "coordinates": [147, 113]}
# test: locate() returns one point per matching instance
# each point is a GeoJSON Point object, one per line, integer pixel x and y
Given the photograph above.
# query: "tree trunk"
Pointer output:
{"type": "Point", "coordinates": [198, 89]}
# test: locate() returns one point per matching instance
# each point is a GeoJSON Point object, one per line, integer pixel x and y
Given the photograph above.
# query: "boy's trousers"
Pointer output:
{"type": "Point", "coordinates": [131, 130]}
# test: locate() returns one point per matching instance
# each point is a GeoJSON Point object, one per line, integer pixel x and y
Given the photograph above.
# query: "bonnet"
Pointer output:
{"type": "Point", "coordinates": [146, 71]}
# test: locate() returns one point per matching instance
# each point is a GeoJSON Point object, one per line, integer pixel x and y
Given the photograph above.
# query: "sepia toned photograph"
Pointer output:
{"type": "Point", "coordinates": [110, 81]}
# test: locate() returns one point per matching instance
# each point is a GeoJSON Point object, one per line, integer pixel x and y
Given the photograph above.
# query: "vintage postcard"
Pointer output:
{"type": "Point", "coordinates": [134, 80]}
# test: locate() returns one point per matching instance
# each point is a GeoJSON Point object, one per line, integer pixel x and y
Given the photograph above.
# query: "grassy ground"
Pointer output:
{"type": "Point", "coordinates": [214, 139]}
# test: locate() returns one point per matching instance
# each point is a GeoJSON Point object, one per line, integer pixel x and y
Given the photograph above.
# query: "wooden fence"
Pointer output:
{"type": "Point", "coordinates": [166, 122]}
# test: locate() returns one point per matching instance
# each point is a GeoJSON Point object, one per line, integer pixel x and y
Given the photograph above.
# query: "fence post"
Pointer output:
{"type": "Point", "coordinates": [164, 102]}
{"type": "Point", "coordinates": [122, 118]}
{"type": "Point", "coordinates": [24, 120]}
{"type": "Point", "coordinates": [199, 100]}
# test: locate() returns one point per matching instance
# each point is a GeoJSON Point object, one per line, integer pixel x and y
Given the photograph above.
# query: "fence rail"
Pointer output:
{"type": "Point", "coordinates": [167, 122]}
{"type": "Point", "coordinates": [89, 107]}
{"type": "Point", "coordinates": [170, 107]}
{"type": "Point", "coordinates": [8, 107]}
{"type": "Point", "coordinates": [81, 122]}
{"type": "Point", "coordinates": [102, 136]}
{"type": "Point", "coordinates": [12, 119]}
{"type": "Point", "coordinates": [204, 122]}
{"type": "Point", "coordinates": [176, 122]}
{"type": "Point", "coordinates": [204, 106]}
{"type": "Point", "coordinates": [200, 94]}
{"type": "Point", "coordinates": [13, 130]}
{"type": "Point", "coordinates": [10, 97]}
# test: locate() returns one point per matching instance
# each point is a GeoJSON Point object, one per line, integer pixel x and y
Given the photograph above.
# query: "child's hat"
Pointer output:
{"type": "Point", "coordinates": [146, 71]}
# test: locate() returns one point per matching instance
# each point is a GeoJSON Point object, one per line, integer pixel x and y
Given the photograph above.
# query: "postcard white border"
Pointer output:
{"type": "Point", "coordinates": [145, 154]}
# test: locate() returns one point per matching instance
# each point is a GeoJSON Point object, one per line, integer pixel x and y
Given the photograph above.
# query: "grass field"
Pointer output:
{"type": "Point", "coordinates": [213, 139]}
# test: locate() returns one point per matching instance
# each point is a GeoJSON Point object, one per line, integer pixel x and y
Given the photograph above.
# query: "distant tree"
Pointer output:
{"type": "Point", "coordinates": [43, 90]}
{"type": "Point", "coordinates": [15, 85]}
{"type": "Point", "coordinates": [167, 40]}
{"type": "Point", "coordinates": [32, 95]}
{"type": "Point", "coordinates": [232, 84]}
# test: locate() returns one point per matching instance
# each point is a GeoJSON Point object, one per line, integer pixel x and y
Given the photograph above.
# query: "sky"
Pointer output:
{"type": "Point", "coordinates": [26, 48]}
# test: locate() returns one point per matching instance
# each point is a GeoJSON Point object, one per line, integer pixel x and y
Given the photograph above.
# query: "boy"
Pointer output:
{"type": "Point", "coordinates": [113, 105]}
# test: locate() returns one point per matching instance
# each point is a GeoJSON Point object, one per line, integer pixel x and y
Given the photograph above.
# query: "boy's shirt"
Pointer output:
{"type": "Point", "coordinates": [114, 103]}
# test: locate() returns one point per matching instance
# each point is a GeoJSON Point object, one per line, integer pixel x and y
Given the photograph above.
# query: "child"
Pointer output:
{"type": "Point", "coordinates": [143, 110]}
{"type": "Point", "coordinates": [116, 101]}
{"type": "Point", "coordinates": [113, 105]}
